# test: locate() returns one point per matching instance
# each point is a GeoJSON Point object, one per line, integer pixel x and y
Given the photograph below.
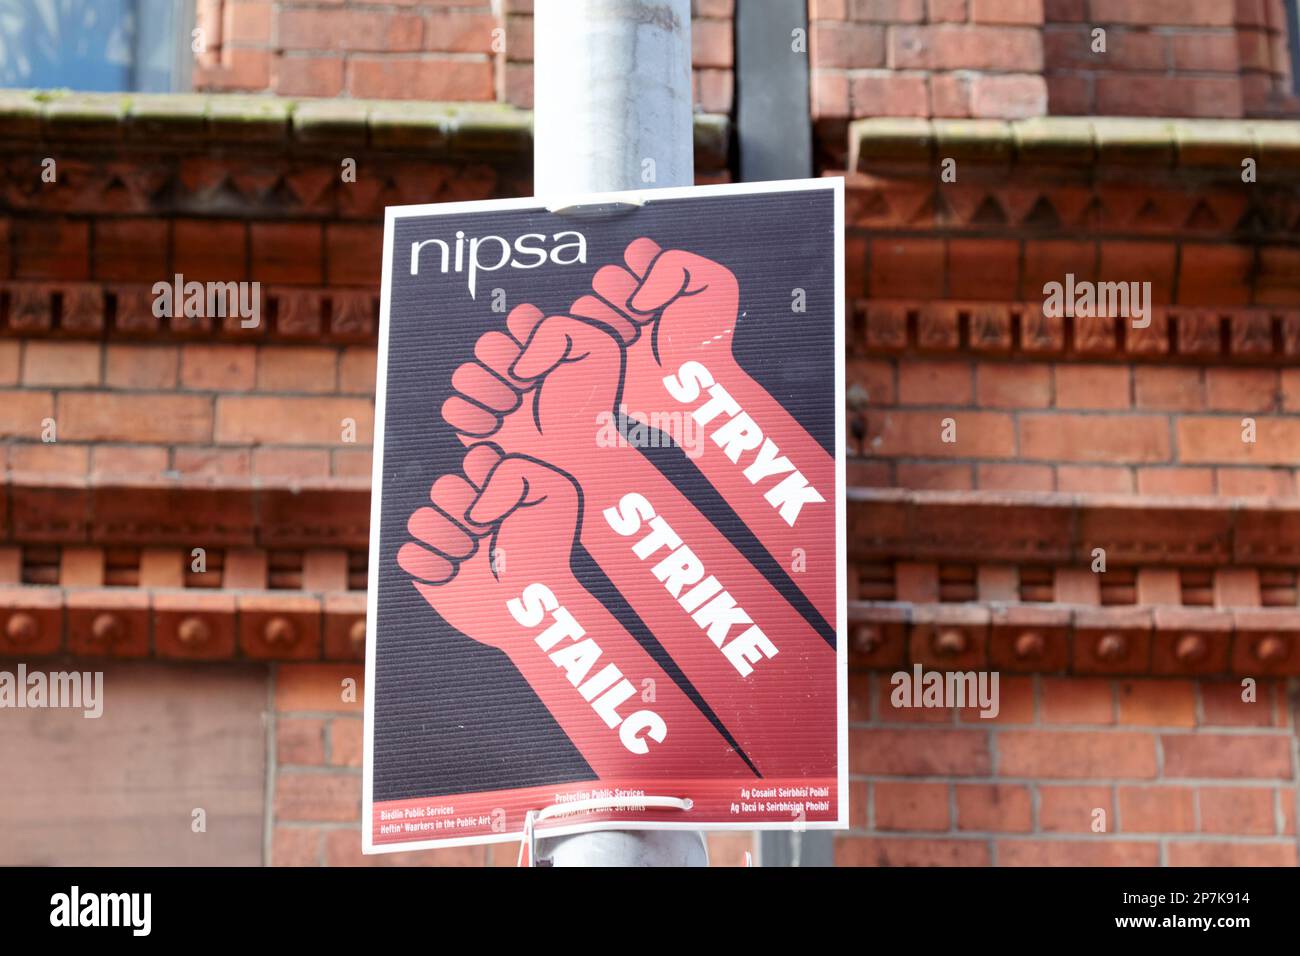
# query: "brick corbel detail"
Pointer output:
{"type": "Point", "coordinates": [1071, 639]}
{"type": "Point", "coordinates": [192, 624]}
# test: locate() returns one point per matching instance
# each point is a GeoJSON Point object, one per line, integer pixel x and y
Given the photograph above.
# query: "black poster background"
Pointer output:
{"type": "Point", "coordinates": [452, 715]}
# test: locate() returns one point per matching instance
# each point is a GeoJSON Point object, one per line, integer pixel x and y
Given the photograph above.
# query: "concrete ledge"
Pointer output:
{"type": "Point", "coordinates": [215, 119]}
{"type": "Point", "coordinates": [1155, 144]}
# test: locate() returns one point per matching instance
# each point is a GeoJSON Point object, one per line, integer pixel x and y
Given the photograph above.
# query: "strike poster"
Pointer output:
{"type": "Point", "coordinates": [607, 530]}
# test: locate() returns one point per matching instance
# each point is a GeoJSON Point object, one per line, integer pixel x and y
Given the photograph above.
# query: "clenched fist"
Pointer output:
{"type": "Point", "coordinates": [688, 304]}
{"type": "Point", "coordinates": [538, 392]}
{"type": "Point", "coordinates": [492, 557]}
{"type": "Point", "coordinates": [677, 312]}
{"type": "Point", "coordinates": [542, 389]}
{"type": "Point", "coordinates": [503, 513]}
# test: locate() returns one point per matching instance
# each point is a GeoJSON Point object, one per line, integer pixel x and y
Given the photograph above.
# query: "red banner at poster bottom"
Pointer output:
{"type": "Point", "coordinates": [498, 815]}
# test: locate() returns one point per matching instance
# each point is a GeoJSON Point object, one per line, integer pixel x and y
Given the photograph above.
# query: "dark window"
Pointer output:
{"type": "Point", "coordinates": [1293, 41]}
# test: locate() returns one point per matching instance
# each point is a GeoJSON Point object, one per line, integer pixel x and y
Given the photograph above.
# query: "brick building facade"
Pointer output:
{"type": "Point", "coordinates": [1121, 691]}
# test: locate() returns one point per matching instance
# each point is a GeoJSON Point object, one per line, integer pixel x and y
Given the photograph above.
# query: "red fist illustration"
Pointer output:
{"type": "Point", "coordinates": [493, 559]}
{"type": "Point", "coordinates": [540, 390]}
{"type": "Point", "coordinates": [483, 523]}
{"type": "Point", "coordinates": [688, 303]}
{"type": "Point", "coordinates": [682, 309]}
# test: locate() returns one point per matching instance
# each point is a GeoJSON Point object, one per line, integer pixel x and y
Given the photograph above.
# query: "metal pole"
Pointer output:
{"type": "Point", "coordinates": [613, 111]}
{"type": "Point", "coordinates": [612, 93]}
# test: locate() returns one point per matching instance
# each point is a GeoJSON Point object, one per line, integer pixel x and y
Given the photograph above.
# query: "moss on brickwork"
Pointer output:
{"type": "Point", "coordinates": [1152, 143]}
{"type": "Point", "coordinates": [217, 118]}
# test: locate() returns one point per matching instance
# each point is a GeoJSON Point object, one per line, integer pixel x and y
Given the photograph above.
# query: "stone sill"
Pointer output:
{"type": "Point", "coordinates": [1083, 142]}
{"type": "Point", "coordinates": [218, 119]}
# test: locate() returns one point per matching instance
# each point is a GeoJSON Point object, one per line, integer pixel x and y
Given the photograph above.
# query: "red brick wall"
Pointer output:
{"type": "Point", "coordinates": [122, 789]}
{"type": "Point", "coordinates": [195, 409]}
{"type": "Point", "coordinates": [428, 50]}
{"type": "Point", "coordinates": [949, 58]}
{"type": "Point", "coordinates": [115, 248]}
{"type": "Point", "coordinates": [927, 58]}
{"type": "Point", "coordinates": [1186, 58]}
{"type": "Point", "coordinates": [1184, 771]}
{"type": "Point", "coordinates": [441, 50]}
{"type": "Point", "coordinates": [1182, 775]}
{"type": "Point", "coordinates": [950, 328]}
{"type": "Point", "coordinates": [171, 396]}
{"type": "Point", "coordinates": [1076, 427]}
{"type": "Point", "coordinates": [316, 801]}
{"type": "Point", "coordinates": [1017, 58]}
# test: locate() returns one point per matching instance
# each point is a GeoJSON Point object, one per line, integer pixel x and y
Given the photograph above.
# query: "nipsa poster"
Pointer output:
{"type": "Point", "coordinates": [607, 536]}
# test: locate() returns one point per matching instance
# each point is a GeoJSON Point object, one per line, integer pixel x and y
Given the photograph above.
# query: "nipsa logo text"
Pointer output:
{"type": "Point", "coordinates": [490, 253]}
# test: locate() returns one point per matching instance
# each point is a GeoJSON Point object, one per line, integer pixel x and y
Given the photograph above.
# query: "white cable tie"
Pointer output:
{"type": "Point", "coordinates": [528, 845]}
{"type": "Point", "coordinates": [606, 207]}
